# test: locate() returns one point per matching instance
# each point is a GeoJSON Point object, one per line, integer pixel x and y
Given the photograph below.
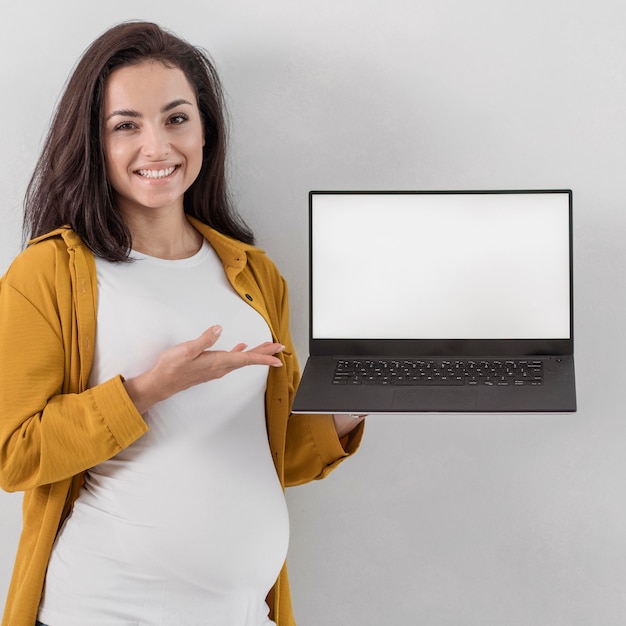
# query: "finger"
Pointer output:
{"type": "Point", "coordinates": [249, 357]}
{"type": "Point", "coordinates": [240, 347]}
{"type": "Point", "coordinates": [206, 340]}
{"type": "Point", "coordinates": [268, 348]}
{"type": "Point", "coordinates": [224, 362]}
{"type": "Point", "coordinates": [257, 358]}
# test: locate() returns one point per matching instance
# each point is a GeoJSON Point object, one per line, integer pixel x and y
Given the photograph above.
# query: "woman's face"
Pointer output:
{"type": "Point", "coordinates": [153, 138]}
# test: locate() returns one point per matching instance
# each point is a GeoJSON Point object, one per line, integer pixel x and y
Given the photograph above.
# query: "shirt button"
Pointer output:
{"type": "Point", "coordinates": [249, 297]}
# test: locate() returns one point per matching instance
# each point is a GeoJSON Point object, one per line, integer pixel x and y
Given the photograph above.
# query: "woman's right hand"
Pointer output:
{"type": "Point", "coordinates": [192, 363]}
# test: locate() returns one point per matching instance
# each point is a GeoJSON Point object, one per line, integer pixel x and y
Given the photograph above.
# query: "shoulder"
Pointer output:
{"type": "Point", "coordinates": [40, 256]}
{"type": "Point", "coordinates": [44, 265]}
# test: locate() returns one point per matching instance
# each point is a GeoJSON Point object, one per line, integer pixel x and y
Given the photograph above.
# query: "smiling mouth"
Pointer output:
{"type": "Point", "coordinates": [164, 173]}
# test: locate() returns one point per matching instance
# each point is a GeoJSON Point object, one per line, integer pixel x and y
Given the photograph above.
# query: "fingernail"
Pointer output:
{"type": "Point", "coordinates": [217, 330]}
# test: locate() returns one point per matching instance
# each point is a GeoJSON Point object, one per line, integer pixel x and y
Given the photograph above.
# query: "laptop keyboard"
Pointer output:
{"type": "Point", "coordinates": [421, 372]}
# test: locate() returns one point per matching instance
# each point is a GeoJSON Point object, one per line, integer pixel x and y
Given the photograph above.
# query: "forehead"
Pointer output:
{"type": "Point", "coordinates": [150, 83]}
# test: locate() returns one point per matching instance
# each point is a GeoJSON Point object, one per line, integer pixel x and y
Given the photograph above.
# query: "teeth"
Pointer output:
{"type": "Point", "coordinates": [156, 173]}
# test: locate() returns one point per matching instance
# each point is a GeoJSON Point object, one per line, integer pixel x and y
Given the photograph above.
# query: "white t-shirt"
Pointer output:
{"type": "Point", "coordinates": [188, 525]}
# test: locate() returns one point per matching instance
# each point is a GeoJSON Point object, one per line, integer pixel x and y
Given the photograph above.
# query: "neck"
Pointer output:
{"type": "Point", "coordinates": [165, 237]}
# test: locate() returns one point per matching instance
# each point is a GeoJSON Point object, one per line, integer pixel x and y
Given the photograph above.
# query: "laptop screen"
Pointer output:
{"type": "Point", "coordinates": [441, 265]}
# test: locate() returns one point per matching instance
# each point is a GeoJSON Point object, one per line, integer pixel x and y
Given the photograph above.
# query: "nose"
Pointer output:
{"type": "Point", "coordinates": [155, 142]}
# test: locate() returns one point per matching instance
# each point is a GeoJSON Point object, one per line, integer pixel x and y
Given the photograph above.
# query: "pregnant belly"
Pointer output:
{"type": "Point", "coordinates": [212, 522]}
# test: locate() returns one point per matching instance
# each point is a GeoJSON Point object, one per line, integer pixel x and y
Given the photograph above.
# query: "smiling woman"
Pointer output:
{"type": "Point", "coordinates": [153, 459]}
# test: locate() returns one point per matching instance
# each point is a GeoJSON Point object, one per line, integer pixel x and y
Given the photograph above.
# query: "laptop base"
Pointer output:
{"type": "Point", "coordinates": [317, 394]}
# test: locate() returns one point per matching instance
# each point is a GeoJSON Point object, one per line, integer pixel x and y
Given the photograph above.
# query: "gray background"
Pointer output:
{"type": "Point", "coordinates": [439, 520]}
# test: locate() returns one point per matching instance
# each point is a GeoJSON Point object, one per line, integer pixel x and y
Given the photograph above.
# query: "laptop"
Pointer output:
{"type": "Point", "coordinates": [440, 301]}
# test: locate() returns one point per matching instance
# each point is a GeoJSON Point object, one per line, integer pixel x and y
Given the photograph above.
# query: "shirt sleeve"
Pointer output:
{"type": "Point", "coordinates": [48, 430]}
{"type": "Point", "coordinates": [313, 448]}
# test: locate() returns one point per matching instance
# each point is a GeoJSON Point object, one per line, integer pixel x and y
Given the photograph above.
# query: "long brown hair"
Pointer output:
{"type": "Point", "coordinates": [70, 185]}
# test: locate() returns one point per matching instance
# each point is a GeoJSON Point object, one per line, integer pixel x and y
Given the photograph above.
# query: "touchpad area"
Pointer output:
{"type": "Point", "coordinates": [434, 399]}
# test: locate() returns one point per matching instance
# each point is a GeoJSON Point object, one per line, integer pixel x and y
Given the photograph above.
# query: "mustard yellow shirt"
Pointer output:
{"type": "Point", "coordinates": [53, 428]}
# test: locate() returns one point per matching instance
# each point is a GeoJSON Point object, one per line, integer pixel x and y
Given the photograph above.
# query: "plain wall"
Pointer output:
{"type": "Point", "coordinates": [439, 519]}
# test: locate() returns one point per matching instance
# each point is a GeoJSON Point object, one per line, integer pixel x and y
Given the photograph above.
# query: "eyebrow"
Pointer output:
{"type": "Point", "coordinates": [135, 114]}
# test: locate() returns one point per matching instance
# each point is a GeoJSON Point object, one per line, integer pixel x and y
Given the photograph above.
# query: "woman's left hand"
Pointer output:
{"type": "Point", "coordinates": [345, 423]}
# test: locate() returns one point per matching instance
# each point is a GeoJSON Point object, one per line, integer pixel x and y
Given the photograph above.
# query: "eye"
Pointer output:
{"type": "Point", "coordinates": [125, 126]}
{"type": "Point", "coordinates": [176, 120]}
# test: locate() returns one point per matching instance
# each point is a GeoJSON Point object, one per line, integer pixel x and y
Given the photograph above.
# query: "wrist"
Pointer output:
{"type": "Point", "coordinates": [143, 392]}
{"type": "Point", "coordinates": [346, 423]}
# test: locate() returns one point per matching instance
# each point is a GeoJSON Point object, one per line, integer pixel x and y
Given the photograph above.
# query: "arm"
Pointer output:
{"type": "Point", "coordinates": [313, 448]}
{"type": "Point", "coordinates": [49, 429]}
{"type": "Point", "coordinates": [47, 435]}
{"type": "Point", "coordinates": [192, 363]}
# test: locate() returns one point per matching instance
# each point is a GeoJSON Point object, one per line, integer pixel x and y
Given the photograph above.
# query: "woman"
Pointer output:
{"type": "Point", "coordinates": [153, 457]}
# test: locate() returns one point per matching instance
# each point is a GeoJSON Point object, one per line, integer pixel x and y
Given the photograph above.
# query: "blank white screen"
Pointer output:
{"type": "Point", "coordinates": [438, 266]}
